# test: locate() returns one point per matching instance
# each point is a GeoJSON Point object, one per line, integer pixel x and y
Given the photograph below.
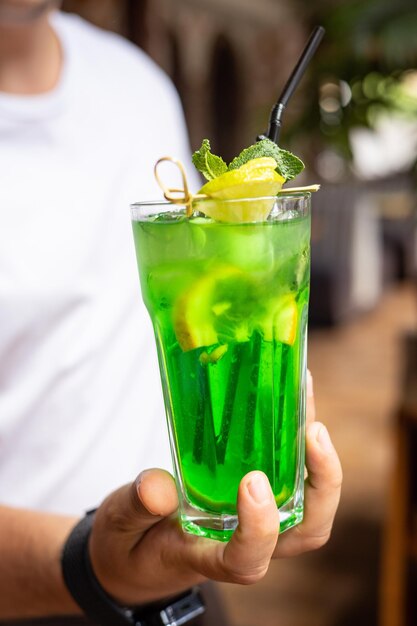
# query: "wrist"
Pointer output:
{"type": "Point", "coordinates": [31, 580]}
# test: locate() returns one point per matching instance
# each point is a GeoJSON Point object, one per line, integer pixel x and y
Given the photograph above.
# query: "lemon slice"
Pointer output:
{"type": "Point", "coordinates": [281, 320]}
{"type": "Point", "coordinates": [255, 179]}
{"type": "Point", "coordinates": [255, 167]}
{"type": "Point", "coordinates": [215, 309]}
{"type": "Point", "coordinates": [213, 356]}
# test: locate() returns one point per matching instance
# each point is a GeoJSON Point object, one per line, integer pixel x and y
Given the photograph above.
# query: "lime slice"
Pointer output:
{"type": "Point", "coordinates": [215, 309]}
{"type": "Point", "coordinates": [255, 179]}
{"type": "Point", "coordinates": [280, 321]}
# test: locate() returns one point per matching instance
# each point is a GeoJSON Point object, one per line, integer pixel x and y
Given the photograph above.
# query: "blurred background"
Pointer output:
{"type": "Point", "coordinates": [354, 122]}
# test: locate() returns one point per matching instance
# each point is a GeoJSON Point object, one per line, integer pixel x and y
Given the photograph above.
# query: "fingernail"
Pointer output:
{"type": "Point", "coordinates": [259, 488]}
{"type": "Point", "coordinates": [323, 439]}
{"type": "Point", "coordinates": [141, 476]}
{"type": "Point", "coordinates": [310, 391]}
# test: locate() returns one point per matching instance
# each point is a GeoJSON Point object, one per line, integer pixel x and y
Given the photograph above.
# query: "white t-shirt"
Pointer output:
{"type": "Point", "coordinates": [81, 407]}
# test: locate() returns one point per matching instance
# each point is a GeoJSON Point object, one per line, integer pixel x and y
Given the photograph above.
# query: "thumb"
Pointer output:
{"type": "Point", "coordinates": [121, 521]}
{"type": "Point", "coordinates": [134, 508]}
{"type": "Point", "coordinates": [249, 551]}
{"type": "Point", "coordinates": [245, 558]}
{"type": "Point", "coordinates": [154, 492]}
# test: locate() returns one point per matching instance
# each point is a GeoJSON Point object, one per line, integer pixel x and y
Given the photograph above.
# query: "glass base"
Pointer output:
{"type": "Point", "coordinates": [222, 527]}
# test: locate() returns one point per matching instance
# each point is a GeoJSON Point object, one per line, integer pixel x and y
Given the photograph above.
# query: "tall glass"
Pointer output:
{"type": "Point", "coordinates": [228, 303]}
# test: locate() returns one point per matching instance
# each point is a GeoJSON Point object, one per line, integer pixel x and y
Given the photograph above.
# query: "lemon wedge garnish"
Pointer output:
{"type": "Point", "coordinates": [255, 179]}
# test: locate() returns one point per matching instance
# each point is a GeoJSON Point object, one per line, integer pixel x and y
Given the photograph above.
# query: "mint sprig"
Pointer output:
{"type": "Point", "coordinates": [288, 165]}
{"type": "Point", "coordinates": [211, 166]}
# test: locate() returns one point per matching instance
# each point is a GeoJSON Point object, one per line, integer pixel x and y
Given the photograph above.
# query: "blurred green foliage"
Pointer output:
{"type": "Point", "coordinates": [364, 66]}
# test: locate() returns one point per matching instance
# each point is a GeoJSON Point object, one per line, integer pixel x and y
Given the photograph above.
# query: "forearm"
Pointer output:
{"type": "Point", "coordinates": [31, 581]}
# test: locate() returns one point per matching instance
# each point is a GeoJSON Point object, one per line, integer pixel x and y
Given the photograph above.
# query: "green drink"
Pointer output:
{"type": "Point", "coordinates": [228, 302]}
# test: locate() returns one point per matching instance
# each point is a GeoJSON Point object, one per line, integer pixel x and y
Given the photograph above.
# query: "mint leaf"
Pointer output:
{"type": "Point", "coordinates": [210, 165]}
{"type": "Point", "coordinates": [288, 165]}
{"type": "Point", "coordinates": [264, 148]}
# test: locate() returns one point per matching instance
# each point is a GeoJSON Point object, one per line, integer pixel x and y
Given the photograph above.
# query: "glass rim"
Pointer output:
{"type": "Point", "coordinates": [287, 196]}
{"type": "Point", "coordinates": [278, 208]}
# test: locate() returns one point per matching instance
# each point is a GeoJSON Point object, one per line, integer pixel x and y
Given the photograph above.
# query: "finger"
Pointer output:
{"type": "Point", "coordinates": [310, 404]}
{"type": "Point", "coordinates": [246, 557]}
{"type": "Point", "coordinates": [322, 494]}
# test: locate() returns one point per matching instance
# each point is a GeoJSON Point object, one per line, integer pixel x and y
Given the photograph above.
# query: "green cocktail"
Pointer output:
{"type": "Point", "coordinates": [228, 302]}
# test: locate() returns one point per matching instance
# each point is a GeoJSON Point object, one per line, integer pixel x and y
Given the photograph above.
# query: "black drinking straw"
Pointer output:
{"type": "Point", "coordinates": [297, 74]}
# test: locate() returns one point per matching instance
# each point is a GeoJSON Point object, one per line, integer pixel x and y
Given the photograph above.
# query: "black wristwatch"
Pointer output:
{"type": "Point", "coordinates": [100, 607]}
